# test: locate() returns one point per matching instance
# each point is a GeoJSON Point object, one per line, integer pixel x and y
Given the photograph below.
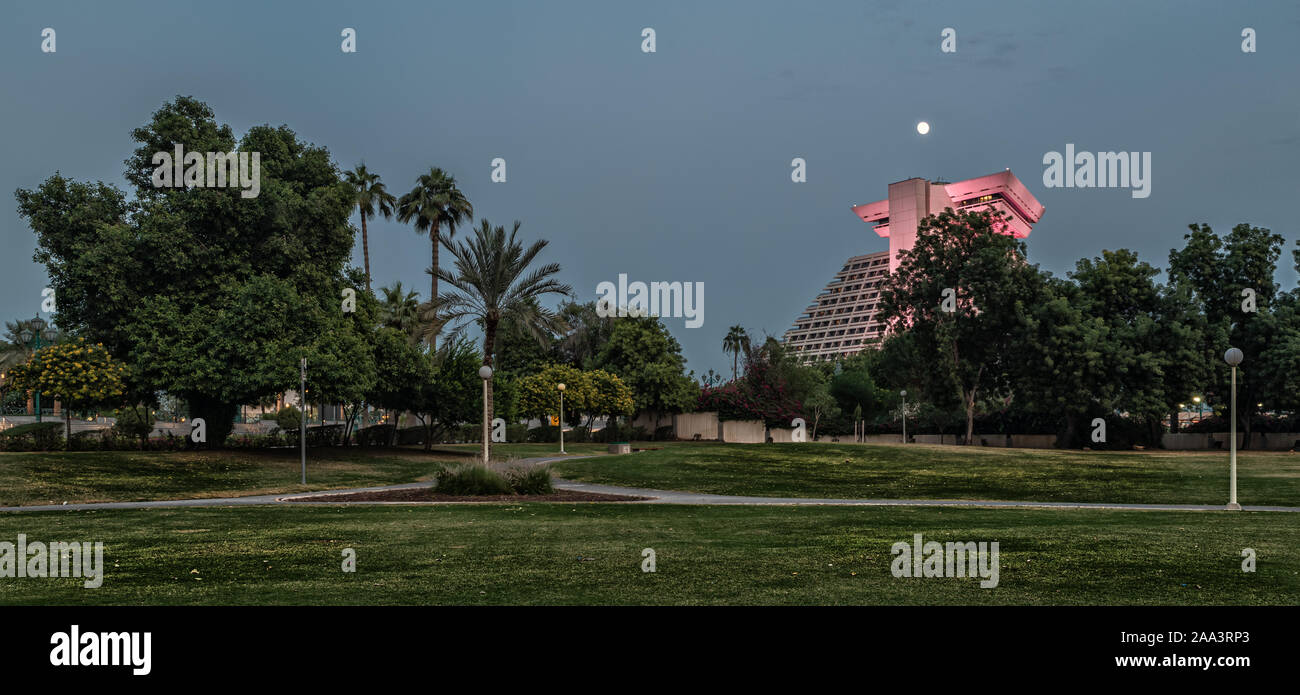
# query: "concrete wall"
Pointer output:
{"type": "Point", "coordinates": [1033, 441]}
{"type": "Point", "coordinates": [1259, 441]}
{"type": "Point", "coordinates": [652, 421]}
{"type": "Point", "coordinates": [949, 439]}
{"type": "Point", "coordinates": [781, 435]}
{"type": "Point", "coordinates": [868, 439]}
{"type": "Point", "coordinates": [687, 425]}
{"type": "Point", "coordinates": [1185, 441]}
{"type": "Point", "coordinates": [742, 431]}
{"type": "Point", "coordinates": [1274, 441]}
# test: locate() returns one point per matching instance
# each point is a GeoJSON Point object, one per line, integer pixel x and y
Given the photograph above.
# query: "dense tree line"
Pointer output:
{"type": "Point", "coordinates": [1108, 340]}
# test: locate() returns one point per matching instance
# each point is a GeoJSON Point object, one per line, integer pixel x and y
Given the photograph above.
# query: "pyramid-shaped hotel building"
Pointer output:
{"type": "Point", "coordinates": [842, 320]}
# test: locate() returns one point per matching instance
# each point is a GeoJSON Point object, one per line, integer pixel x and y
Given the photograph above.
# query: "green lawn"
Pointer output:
{"type": "Point", "coordinates": [512, 451]}
{"type": "Point", "coordinates": [539, 553]}
{"type": "Point", "coordinates": [113, 476]}
{"type": "Point", "coordinates": [947, 472]}
{"type": "Point", "coordinates": [31, 478]}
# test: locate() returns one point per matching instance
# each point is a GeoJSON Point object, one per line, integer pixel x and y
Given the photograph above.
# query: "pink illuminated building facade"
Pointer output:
{"type": "Point", "coordinates": [842, 319]}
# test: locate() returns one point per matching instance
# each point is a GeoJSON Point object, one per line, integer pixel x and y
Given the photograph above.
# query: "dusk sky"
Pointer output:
{"type": "Point", "coordinates": [675, 165]}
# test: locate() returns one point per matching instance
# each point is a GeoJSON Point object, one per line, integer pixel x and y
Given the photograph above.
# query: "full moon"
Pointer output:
{"type": "Point", "coordinates": [923, 127]}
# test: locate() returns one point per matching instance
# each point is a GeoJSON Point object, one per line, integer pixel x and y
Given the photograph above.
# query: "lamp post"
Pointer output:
{"type": "Point", "coordinates": [1200, 411]}
{"type": "Point", "coordinates": [485, 373]}
{"type": "Point", "coordinates": [1233, 357]}
{"type": "Point", "coordinates": [903, 393]}
{"type": "Point", "coordinates": [302, 401]}
{"type": "Point", "coordinates": [560, 387]}
{"type": "Point", "coordinates": [31, 335]}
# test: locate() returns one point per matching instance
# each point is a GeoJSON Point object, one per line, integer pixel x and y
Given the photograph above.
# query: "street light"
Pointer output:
{"type": "Point", "coordinates": [1233, 357]}
{"type": "Point", "coordinates": [560, 387]}
{"type": "Point", "coordinates": [485, 373]}
{"type": "Point", "coordinates": [302, 401]}
{"type": "Point", "coordinates": [1200, 412]}
{"type": "Point", "coordinates": [31, 335]}
{"type": "Point", "coordinates": [903, 393]}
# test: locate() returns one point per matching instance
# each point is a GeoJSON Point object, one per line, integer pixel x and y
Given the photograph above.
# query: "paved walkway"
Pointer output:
{"type": "Point", "coordinates": [658, 497]}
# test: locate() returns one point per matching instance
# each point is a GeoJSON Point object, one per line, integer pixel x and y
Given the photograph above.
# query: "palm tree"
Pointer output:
{"type": "Point", "coordinates": [434, 203]}
{"type": "Point", "coordinates": [493, 283]}
{"type": "Point", "coordinates": [736, 342]}
{"type": "Point", "coordinates": [369, 193]}
{"type": "Point", "coordinates": [400, 309]}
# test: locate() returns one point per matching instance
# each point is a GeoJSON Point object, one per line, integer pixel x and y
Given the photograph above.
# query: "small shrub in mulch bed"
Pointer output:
{"type": "Point", "coordinates": [501, 479]}
{"type": "Point", "coordinates": [471, 480]}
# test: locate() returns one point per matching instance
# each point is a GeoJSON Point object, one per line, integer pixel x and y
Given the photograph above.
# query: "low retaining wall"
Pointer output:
{"type": "Point", "coordinates": [1185, 441]}
{"type": "Point", "coordinates": [1259, 441]}
{"type": "Point", "coordinates": [1274, 441]}
{"type": "Point", "coordinates": [781, 435]}
{"type": "Point", "coordinates": [1033, 441]}
{"type": "Point", "coordinates": [688, 425]}
{"type": "Point", "coordinates": [949, 439]}
{"type": "Point", "coordinates": [742, 431]}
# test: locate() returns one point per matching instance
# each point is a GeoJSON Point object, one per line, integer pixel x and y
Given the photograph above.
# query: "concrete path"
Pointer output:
{"type": "Point", "coordinates": [657, 497]}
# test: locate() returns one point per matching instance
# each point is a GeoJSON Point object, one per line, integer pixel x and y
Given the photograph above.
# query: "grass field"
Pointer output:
{"type": "Point", "coordinates": [94, 476]}
{"type": "Point", "coordinates": [591, 554]}
{"type": "Point", "coordinates": [947, 472]}
{"type": "Point", "coordinates": [785, 470]}
{"type": "Point", "coordinates": [32, 478]}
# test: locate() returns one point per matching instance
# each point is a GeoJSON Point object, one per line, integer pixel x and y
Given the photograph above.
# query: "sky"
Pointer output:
{"type": "Point", "coordinates": [675, 165]}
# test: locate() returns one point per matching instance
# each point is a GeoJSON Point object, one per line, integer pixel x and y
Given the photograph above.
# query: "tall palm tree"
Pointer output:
{"type": "Point", "coordinates": [400, 309]}
{"type": "Point", "coordinates": [434, 203]}
{"type": "Point", "coordinates": [736, 342]}
{"type": "Point", "coordinates": [370, 195]}
{"type": "Point", "coordinates": [493, 283]}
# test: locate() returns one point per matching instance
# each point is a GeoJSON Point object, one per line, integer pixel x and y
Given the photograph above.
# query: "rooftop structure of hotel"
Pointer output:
{"type": "Point", "coordinates": [842, 320]}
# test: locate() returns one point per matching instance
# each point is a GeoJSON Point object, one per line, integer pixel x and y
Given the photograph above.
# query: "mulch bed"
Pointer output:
{"type": "Point", "coordinates": [425, 494]}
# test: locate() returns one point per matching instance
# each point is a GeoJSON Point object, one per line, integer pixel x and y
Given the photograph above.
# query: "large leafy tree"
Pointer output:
{"type": "Point", "coordinates": [962, 294]}
{"type": "Point", "coordinates": [79, 374]}
{"type": "Point", "coordinates": [522, 350]}
{"type": "Point", "coordinates": [1131, 349]}
{"type": "Point", "coordinates": [610, 397]}
{"type": "Point", "coordinates": [403, 371]}
{"type": "Point", "coordinates": [453, 394]}
{"type": "Point", "coordinates": [593, 392]}
{"type": "Point", "coordinates": [539, 394]}
{"type": "Point", "coordinates": [435, 203]}
{"type": "Point", "coordinates": [586, 332]}
{"type": "Point", "coordinates": [371, 197]}
{"type": "Point", "coordinates": [1062, 361]}
{"type": "Point", "coordinates": [343, 367]}
{"type": "Point", "coordinates": [1231, 279]}
{"type": "Point", "coordinates": [495, 280]}
{"type": "Point", "coordinates": [205, 294]}
{"type": "Point", "coordinates": [854, 387]}
{"type": "Point", "coordinates": [642, 353]}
